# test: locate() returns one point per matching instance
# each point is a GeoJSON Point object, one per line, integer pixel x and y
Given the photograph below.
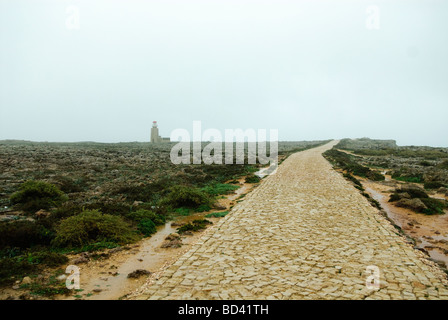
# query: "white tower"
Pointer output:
{"type": "Point", "coordinates": [155, 133]}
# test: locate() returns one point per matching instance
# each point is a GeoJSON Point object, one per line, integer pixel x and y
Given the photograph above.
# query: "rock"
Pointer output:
{"type": "Point", "coordinates": [173, 236]}
{"type": "Point", "coordinates": [414, 204]}
{"type": "Point", "coordinates": [80, 260]}
{"type": "Point", "coordinates": [405, 195]}
{"type": "Point", "coordinates": [62, 277]}
{"type": "Point", "coordinates": [84, 257]}
{"type": "Point", "coordinates": [138, 273]}
{"type": "Point", "coordinates": [177, 224]}
{"type": "Point", "coordinates": [117, 249]}
{"type": "Point", "coordinates": [176, 243]}
{"type": "Point", "coordinates": [219, 206]}
{"type": "Point", "coordinates": [442, 190]}
{"type": "Point", "coordinates": [97, 290]}
{"type": "Point", "coordinates": [42, 214]}
{"type": "Point", "coordinates": [26, 280]}
{"type": "Point", "coordinates": [413, 191]}
{"type": "Point", "coordinates": [15, 287]}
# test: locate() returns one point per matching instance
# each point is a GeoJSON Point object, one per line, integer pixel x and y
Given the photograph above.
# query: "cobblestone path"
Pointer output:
{"type": "Point", "coordinates": [304, 233]}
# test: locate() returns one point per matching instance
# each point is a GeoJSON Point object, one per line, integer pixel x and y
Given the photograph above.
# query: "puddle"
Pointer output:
{"type": "Point", "coordinates": [146, 255]}
{"type": "Point", "coordinates": [429, 231]}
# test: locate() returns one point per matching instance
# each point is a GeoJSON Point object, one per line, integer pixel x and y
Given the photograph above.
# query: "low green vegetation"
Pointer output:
{"type": "Point", "coordinates": [35, 195]}
{"type": "Point", "coordinates": [219, 189]}
{"type": "Point", "coordinates": [185, 197]}
{"type": "Point", "coordinates": [350, 164]}
{"type": "Point", "coordinates": [193, 226]}
{"type": "Point", "coordinates": [252, 179]}
{"type": "Point", "coordinates": [93, 226]}
{"type": "Point", "coordinates": [443, 165]}
{"type": "Point", "coordinates": [217, 214]}
{"type": "Point", "coordinates": [418, 200]}
{"type": "Point", "coordinates": [147, 227]}
{"type": "Point", "coordinates": [92, 196]}
{"type": "Point", "coordinates": [434, 185]}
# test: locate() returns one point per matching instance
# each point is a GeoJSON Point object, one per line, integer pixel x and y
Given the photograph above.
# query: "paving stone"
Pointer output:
{"type": "Point", "coordinates": [303, 233]}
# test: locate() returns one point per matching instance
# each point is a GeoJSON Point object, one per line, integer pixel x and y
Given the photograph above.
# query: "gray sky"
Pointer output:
{"type": "Point", "coordinates": [311, 69]}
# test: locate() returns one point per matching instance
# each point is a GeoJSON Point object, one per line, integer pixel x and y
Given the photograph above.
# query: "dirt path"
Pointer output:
{"type": "Point", "coordinates": [304, 233]}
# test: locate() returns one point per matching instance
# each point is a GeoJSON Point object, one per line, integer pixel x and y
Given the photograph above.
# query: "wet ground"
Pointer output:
{"type": "Point", "coordinates": [107, 279]}
{"type": "Point", "coordinates": [429, 231]}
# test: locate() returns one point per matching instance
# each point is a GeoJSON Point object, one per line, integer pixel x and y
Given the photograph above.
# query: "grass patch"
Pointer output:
{"type": "Point", "coordinates": [217, 214]}
{"type": "Point", "coordinates": [252, 179]}
{"type": "Point", "coordinates": [219, 189]}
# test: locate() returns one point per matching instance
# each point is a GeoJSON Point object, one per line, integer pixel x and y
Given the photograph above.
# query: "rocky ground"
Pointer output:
{"type": "Point", "coordinates": [114, 178]}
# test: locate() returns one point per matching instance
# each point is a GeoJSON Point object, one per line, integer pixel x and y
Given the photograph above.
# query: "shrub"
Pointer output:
{"type": "Point", "coordinates": [433, 185]}
{"type": "Point", "coordinates": [219, 188]}
{"type": "Point", "coordinates": [354, 180]}
{"type": "Point", "coordinates": [413, 192]}
{"type": "Point", "coordinates": [183, 211]}
{"type": "Point", "coordinates": [195, 225]}
{"type": "Point", "coordinates": [187, 197]}
{"type": "Point", "coordinates": [23, 234]}
{"type": "Point", "coordinates": [252, 179]}
{"type": "Point", "coordinates": [435, 206]}
{"type": "Point", "coordinates": [217, 214]}
{"type": "Point", "coordinates": [51, 259]}
{"type": "Point", "coordinates": [68, 185]}
{"type": "Point", "coordinates": [13, 268]}
{"type": "Point", "coordinates": [110, 207]}
{"type": "Point", "coordinates": [142, 214]}
{"type": "Point", "coordinates": [443, 165]}
{"type": "Point", "coordinates": [203, 208]}
{"type": "Point", "coordinates": [36, 195]}
{"type": "Point", "coordinates": [147, 227]}
{"type": "Point", "coordinates": [375, 176]}
{"type": "Point", "coordinates": [408, 179]}
{"type": "Point", "coordinates": [90, 227]}
{"type": "Point", "coordinates": [349, 164]}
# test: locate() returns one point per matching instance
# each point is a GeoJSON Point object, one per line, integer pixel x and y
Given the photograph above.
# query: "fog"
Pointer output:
{"type": "Point", "coordinates": [103, 70]}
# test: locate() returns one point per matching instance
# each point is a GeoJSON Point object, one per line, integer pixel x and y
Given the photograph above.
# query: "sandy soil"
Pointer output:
{"type": "Point", "coordinates": [429, 231]}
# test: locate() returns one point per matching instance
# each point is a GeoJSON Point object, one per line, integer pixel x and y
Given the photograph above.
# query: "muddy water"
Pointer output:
{"type": "Point", "coordinates": [430, 232]}
{"type": "Point", "coordinates": [107, 279]}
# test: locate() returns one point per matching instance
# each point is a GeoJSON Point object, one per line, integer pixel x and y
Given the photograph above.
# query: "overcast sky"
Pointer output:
{"type": "Point", "coordinates": [311, 69]}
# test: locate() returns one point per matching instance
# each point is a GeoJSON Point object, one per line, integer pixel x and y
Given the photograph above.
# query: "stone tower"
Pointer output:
{"type": "Point", "coordinates": [155, 133]}
{"type": "Point", "coordinates": [155, 138]}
